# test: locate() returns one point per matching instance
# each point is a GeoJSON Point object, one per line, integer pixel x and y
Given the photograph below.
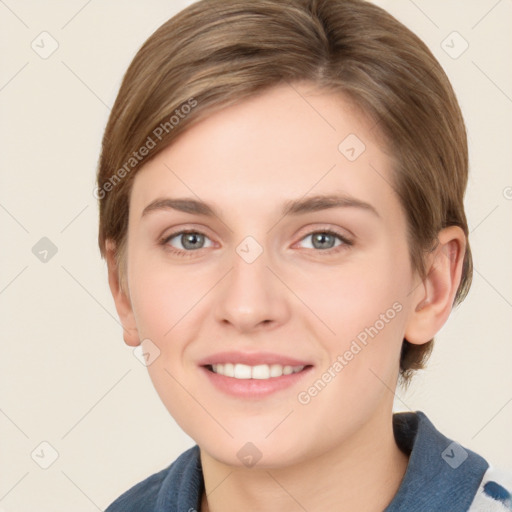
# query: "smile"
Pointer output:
{"type": "Point", "coordinates": [260, 371]}
{"type": "Point", "coordinates": [254, 375]}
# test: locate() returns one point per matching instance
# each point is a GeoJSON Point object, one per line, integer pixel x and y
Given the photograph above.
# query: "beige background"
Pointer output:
{"type": "Point", "coordinates": [66, 376]}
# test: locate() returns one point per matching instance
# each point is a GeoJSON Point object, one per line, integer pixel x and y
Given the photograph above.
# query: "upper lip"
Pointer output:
{"type": "Point", "coordinates": [252, 359]}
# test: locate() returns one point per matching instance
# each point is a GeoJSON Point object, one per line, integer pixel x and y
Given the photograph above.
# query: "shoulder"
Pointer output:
{"type": "Point", "coordinates": [494, 493]}
{"type": "Point", "coordinates": [141, 497]}
{"type": "Point", "coordinates": [164, 486]}
{"type": "Point", "coordinates": [441, 474]}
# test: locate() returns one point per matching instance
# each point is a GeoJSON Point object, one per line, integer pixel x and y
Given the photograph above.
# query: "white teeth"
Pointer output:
{"type": "Point", "coordinates": [276, 370]}
{"type": "Point", "coordinates": [260, 371]}
{"type": "Point", "coordinates": [242, 371]}
{"type": "Point", "coordinates": [229, 370]}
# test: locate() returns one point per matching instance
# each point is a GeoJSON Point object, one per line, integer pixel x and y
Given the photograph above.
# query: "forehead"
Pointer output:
{"type": "Point", "coordinates": [289, 142]}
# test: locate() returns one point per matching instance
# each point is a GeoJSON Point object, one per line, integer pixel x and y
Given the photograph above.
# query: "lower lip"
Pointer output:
{"type": "Point", "coordinates": [254, 388]}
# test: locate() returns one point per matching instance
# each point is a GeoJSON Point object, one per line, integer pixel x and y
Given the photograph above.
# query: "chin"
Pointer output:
{"type": "Point", "coordinates": [254, 451]}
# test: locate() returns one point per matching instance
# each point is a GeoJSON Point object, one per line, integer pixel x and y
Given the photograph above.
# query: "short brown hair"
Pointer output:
{"type": "Point", "coordinates": [215, 53]}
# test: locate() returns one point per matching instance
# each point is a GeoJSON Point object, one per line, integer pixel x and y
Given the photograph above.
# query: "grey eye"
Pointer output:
{"type": "Point", "coordinates": [323, 240]}
{"type": "Point", "coordinates": [188, 241]}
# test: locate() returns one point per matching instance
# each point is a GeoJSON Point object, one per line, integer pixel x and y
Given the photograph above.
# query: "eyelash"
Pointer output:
{"type": "Point", "coordinates": [185, 254]}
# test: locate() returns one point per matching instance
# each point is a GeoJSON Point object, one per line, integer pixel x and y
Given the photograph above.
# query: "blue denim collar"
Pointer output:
{"type": "Point", "coordinates": [441, 475]}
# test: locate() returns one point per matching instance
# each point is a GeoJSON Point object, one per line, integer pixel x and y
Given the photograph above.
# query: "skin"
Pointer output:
{"type": "Point", "coordinates": [337, 452]}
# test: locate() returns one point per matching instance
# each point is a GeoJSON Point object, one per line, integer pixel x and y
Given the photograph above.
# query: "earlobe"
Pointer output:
{"type": "Point", "coordinates": [433, 299]}
{"type": "Point", "coordinates": [121, 297]}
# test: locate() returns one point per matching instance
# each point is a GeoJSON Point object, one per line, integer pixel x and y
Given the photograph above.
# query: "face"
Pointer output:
{"type": "Point", "coordinates": [267, 263]}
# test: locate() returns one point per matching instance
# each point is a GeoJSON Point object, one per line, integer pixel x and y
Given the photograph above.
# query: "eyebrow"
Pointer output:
{"type": "Point", "coordinates": [292, 207]}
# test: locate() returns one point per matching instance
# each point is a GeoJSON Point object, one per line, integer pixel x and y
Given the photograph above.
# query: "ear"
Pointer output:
{"type": "Point", "coordinates": [433, 298]}
{"type": "Point", "coordinates": [121, 298]}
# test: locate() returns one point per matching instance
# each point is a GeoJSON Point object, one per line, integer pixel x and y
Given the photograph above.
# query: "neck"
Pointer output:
{"type": "Point", "coordinates": [362, 473]}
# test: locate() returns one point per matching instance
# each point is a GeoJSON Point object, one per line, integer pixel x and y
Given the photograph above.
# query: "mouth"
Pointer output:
{"type": "Point", "coordinates": [253, 375]}
{"type": "Point", "coordinates": [259, 372]}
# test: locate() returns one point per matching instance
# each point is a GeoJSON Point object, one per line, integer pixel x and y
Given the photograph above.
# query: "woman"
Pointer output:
{"type": "Point", "coordinates": [281, 209]}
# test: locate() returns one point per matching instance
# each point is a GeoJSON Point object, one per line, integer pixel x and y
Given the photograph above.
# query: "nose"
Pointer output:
{"type": "Point", "coordinates": [251, 297]}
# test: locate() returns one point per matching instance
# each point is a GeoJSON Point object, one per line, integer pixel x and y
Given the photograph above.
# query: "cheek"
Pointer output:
{"type": "Point", "coordinates": [154, 305]}
{"type": "Point", "coordinates": [351, 297]}
{"type": "Point", "coordinates": [363, 311]}
{"type": "Point", "coordinates": [162, 295]}
{"type": "Point", "coordinates": [365, 308]}
{"type": "Point", "coordinates": [163, 300]}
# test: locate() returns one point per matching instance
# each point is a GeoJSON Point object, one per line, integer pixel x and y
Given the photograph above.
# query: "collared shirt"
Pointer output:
{"type": "Point", "coordinates": [441, 476]}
